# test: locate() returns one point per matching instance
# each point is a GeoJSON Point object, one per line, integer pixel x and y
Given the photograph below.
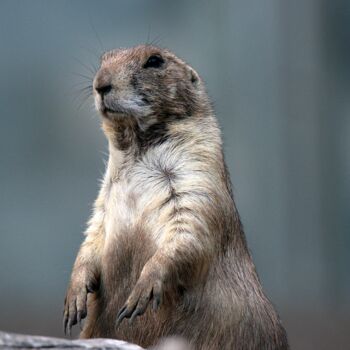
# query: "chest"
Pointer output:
{"type": "Point", "coordinates": [134, 201]}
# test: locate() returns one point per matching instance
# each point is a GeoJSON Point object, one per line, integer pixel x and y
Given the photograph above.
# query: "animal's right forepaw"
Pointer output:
{"type": "Point", "coordinates": [75, 308]}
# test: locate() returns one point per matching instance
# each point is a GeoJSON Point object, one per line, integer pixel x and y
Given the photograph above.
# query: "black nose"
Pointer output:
{"type": "Point", "coordinates": [103, 90]}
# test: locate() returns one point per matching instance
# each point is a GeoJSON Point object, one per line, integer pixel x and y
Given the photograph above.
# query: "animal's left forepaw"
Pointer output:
{"type": "Point", "coordinates": [147, 289]}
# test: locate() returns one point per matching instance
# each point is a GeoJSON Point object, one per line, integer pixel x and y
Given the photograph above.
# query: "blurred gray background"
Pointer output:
{"type": "Point", "coordinates": [278, 73]}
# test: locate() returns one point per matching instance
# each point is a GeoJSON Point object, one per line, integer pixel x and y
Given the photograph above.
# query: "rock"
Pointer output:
{"type": "Point", "coordinates": [19, 341]}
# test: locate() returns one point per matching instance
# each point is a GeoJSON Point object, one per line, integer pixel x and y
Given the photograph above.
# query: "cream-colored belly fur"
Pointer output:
{"type": "Point", "coordinates": [134, 200]}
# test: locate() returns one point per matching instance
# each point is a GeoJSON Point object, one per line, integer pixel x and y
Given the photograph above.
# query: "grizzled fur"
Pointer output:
{"type": "Point", "coordinates": [165, 246]}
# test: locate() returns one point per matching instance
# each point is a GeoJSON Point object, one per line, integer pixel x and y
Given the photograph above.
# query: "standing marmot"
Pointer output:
{"type": "Point", "coordinates": [165, 246]}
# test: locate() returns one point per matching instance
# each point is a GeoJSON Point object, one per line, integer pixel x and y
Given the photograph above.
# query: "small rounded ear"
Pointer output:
{"type": "Point", "coordinates": [194, 77]}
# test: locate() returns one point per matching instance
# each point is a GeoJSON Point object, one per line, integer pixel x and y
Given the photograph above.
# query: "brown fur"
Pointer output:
{"type": "Point", "coordinates": [165, 230]}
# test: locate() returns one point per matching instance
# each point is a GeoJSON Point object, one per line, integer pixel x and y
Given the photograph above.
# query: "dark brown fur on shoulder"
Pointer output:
{"type": "Point", "coordinates": [165, 246]}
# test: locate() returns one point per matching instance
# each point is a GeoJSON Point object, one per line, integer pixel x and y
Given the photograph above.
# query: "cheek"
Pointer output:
{"type": "Point", "coordinates": [172, 91]}
{"type": "Point", "coordinates": [126, 92]}
{"type": "Point", "coordinates": [148, 92]}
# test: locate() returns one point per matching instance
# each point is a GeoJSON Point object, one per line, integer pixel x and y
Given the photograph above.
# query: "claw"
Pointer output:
{"type": "Point", "coordinates": [139, 300]}
{"type": "Point", "coordinates": [141, 307]}
{"type": "Point", "coordinates": [157, 300]}
{"type": "Point", "coordinates": [65, 321]}
{"type": "Point", "coordinates": [156, 303]}
{"type": "Point", "coordinates": [136, 313]}
{"type": "Point", "coordinates": [123, 313]}
{"type": "Point", "coordinates": [79, 317]}
{"type": "Point", "coordinates": [75, 308]}
{"type": "Point", "coordinates": [69, 327]}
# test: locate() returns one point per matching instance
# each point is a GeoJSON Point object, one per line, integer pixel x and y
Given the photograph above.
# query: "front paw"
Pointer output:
{"type": "Point", "coordinates": [75, 308]}
{"type": "Point", "coordinates": [148, 288]}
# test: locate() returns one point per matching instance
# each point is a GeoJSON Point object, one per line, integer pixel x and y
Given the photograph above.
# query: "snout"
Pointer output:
{"type": "Point", "coordinates": [103, 90]}
{"type": "Point", "coordinates": [103, 83]}
{"type": "Point", "coordinates": [115, 94]}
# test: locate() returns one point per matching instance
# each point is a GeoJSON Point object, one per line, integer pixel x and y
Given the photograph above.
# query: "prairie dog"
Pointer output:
{"type": "Point", "coordinates": [165, 246]}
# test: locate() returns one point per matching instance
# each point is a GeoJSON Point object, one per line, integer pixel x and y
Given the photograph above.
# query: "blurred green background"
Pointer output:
{"type": "Point", "coordinates": [278, 73]}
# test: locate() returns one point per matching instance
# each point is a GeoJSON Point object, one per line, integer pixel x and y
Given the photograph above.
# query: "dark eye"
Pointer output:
{"type": "Point", "coordinates": [154, 61]}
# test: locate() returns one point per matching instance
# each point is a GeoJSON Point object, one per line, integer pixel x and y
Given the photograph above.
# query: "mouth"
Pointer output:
{"type": "Point", "coordinates": [108, 111]}
{"type": "Point", "coordinates": [113, 109]}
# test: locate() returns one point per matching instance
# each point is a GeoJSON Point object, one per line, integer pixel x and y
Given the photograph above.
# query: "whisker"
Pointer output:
{"type": "Point", "coordinates": [148, 34]}
{"type": "Point", "coordinates": [82, 87]}
{"type": "Point", "coordinates": [156, 41]}
{"type": "Point", "coordinates": [91, 51]}
{"type": "Point", "coordinates": [96, 34]}
{"type": "Point", "coordinates": [87, 88]}
{"type": "Point", "coordinates": [85, 99]}
{"type": "Point", "coordinates": [83, 76]}
{"type": "Point", "coordinates": [84, 93]}
{"type": "Point", "coordinates": [91, 70]}
{"type": "Point", "coordinates": [79, 83]}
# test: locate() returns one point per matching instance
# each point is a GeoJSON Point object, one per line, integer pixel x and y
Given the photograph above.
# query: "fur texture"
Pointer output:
{"type": "Point", "coordinates": [165, 246]}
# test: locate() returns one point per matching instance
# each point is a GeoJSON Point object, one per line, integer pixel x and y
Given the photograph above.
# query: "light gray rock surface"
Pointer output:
{"type": "Point", "coordinates": [19, 341]}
